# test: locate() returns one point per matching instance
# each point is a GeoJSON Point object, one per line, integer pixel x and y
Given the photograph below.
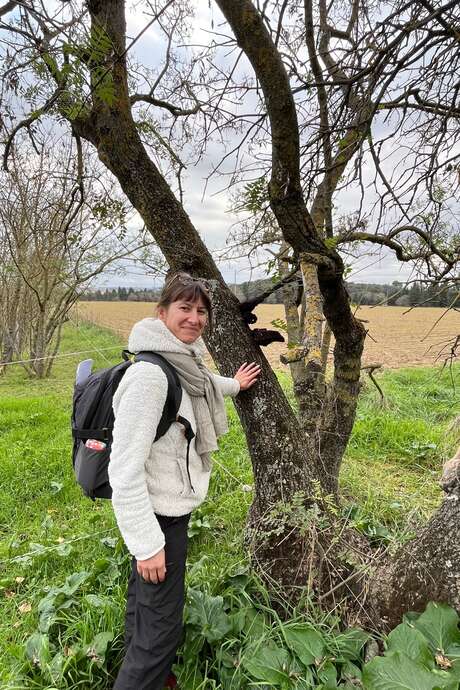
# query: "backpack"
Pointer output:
{"type": "Point", "coordinates": [93, 419]}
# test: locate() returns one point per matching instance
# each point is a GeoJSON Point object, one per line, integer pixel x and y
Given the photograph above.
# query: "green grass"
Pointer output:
{"type": "Point", "coordinates": [396, 452]}
{"type": "Point", "coordinates": [390, 471]}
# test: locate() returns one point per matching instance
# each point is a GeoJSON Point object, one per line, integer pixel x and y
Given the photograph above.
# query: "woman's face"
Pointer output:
{"type": "Point", "coordinates": [186, 320]}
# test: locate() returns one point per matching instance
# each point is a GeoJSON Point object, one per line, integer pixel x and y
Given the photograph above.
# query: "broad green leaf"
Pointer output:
{"type": "Point", "coordinates": [98, 602]}
{"type": "Point", "coordinates": [197, 567]}
{"type": "Point", "coordinates": [101, 564]}
{"type": "Point", "coordinates": [454, 671]}
{"type": "Point", "coordinates": [238, 583]}
{"type": "Point", "coordinates": [350, 671]}
{"type": "Point", "coordinates": [327, 674]}
{"type": "Point", "coordinates": [306, 682]}
{"type": "Point", "coordinates": [59, 598]}
{"type": "Point", "coordinates": [98, 647]}
{"type": "Point", "coordinates": [269, 664]}
{"type": "Point", "coordinates": [56, 667]}
{"type": "Point", "coordinates": [74, 581]}
{"type": "Point", "coordinates": [453, 652]}
{"type": "Point", "coordinates": [64, 549]}
{"type": "Point", "coordinates": [439, 624]}
{"type": "Point", "coordinates": [306, 642]}
{"type": "Point", "coordinates": [110, 575]}
{"type": "Point", "coordinates": [207, 613]}
{"type": "Point", "coordinates": [47, 610]}
{"type": "Point", "coordinates": [38, 649]}
{"type": "Point", "coordinates": [193, 645]}
{"type": "Point", "coordinates": [231, 678]}
{"type": "Point", "coordinates": [225, 658]}
{"type": "Point", "coordinates": [398, 672]}
{"type": "Point", "coordinates": [348, 645]}
{"type": "Point", "coordinates": [411, 617]}
{"type": "Point", "coordinates": [37, 549]}
{"type": "Point", "coordinates": [409, 641]}
{"type": "Point", "coordinates": [237, 620]}
{"type": "Point", "coordinates": [255, 625]}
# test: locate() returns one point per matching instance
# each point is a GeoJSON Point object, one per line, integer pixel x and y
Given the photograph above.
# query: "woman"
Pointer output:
{"type": "Point", "coordinates": [154, 487]}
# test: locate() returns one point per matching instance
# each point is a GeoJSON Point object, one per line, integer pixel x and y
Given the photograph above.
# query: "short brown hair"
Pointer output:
{"type": "Point", "coordinates": [182, 286]}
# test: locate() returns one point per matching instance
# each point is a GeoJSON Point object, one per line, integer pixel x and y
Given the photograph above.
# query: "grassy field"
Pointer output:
{"type": "Point", "coordinates": [63, 567]}
{"type": "Point", "coordinates": [396, 337]}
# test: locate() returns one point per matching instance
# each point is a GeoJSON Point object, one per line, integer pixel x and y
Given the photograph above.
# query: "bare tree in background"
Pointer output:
{"type": "Point", "coordinates": [318, 115]}
{"type": "Point", "coordinates": [59, 229]}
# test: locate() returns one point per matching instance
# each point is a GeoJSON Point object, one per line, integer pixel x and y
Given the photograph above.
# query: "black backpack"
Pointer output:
{"type": "Point", "coordinates": [93, 418]}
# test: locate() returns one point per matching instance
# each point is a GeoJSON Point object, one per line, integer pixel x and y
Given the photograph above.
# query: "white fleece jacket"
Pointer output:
{"type": "Point", "coordinates": [150, 477]}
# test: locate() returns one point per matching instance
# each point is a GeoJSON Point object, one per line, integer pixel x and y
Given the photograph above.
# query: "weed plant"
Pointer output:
{"type": "Point", "coordinates": [64, 569]}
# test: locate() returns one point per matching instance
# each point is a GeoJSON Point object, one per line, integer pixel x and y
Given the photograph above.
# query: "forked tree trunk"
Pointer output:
{"type": "Point", "coordinates": [434, 554]}
{"type": "Point", "coordinates": [276, 442]}
{"type": "Point", "coordinates": [283, 462]}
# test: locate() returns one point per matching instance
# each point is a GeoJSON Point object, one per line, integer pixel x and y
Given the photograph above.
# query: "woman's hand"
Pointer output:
{"type": "Point", "coordinates": [247, 375]}
{"type": "Point", "coordinates": [153, 569]}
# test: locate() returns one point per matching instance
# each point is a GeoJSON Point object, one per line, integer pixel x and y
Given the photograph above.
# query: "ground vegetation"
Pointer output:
{"type": "Point", "coordinates": [320, 117]}
{"type": "Point", "coordinates": [63, 567]}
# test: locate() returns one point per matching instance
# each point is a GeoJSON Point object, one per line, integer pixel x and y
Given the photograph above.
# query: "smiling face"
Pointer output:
{"type": "Point", "coordinates": [186, 320]}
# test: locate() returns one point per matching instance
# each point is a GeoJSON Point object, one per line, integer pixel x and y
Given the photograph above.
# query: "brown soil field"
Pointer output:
{"type": "Point", "coordinates": [396, 338]}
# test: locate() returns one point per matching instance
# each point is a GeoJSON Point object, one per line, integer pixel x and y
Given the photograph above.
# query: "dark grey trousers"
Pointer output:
{"type": "Point", "coordinates": [153, 624]}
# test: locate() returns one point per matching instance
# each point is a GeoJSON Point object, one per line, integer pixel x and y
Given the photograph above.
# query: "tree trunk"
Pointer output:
{"type": "Point", "coordinates": [277, 444]}
{"type": "Point", "coordinates": [337, 414]}
{"type": "Point", "coordinates": [280, 449]}
{"type": "Point", "coordinates": [425, 569]}
{"type": "Point", "coordinates": [315, 389]}
{"type": "Point", "coordinates": [39, 344]}
{"type": "Point", "coordinates": [10, 336]}
{"type": "Point", "coordinates": [325, 345]}
{"type": "Point", "coordinates": [441, 536]}
{"type": "Point", "coordinates": [294, 332]}
{"type": "Point", "coordinates": [428, 567]}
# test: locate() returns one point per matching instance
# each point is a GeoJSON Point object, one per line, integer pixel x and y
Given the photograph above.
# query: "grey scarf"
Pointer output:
{"type": "Point", "coordinates": [207, 401]}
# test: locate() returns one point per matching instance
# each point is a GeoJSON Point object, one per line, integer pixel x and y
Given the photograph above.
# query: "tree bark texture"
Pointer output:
{"type": "Point", "coordinates": [429, 566]}
{"type": "Point", "coordinates": [290, 294]}
{"type": "Point", "coordinates": [313, 395]}
{"type": "Point", "coordinates": [425, 569]}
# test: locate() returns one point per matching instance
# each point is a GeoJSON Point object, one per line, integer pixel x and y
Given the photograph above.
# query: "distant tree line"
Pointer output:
{"type": "Point", "coordinates": [397, 294]}
{"type": "Point", "coordinates": [121, 294]}
{"type": "Point", "coordinates": [403, 295]}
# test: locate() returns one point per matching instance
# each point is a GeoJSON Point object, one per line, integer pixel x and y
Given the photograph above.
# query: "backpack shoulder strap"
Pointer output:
{"type": "Point", "coordinates": [172, 404]}
{"type": "Point", "coordinates": [174, 397]}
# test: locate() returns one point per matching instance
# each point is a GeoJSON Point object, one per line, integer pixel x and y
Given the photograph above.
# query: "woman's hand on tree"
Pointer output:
{"type": "Point", "coordinates": [153, 569]}
{"type": "Point", "coordinates": [247, 375]}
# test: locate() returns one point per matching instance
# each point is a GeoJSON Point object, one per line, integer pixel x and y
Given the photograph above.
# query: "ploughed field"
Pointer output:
{"type": "Point", "coordinates": [396, 337]}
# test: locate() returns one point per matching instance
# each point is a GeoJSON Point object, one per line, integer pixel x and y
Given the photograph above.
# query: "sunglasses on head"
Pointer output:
{"type": "Point", "coordinates": [186, 280]}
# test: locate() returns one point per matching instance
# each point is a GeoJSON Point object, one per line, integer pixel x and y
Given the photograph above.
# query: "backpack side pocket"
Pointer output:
{"type": "Point", "coordinates": [91, 471]}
